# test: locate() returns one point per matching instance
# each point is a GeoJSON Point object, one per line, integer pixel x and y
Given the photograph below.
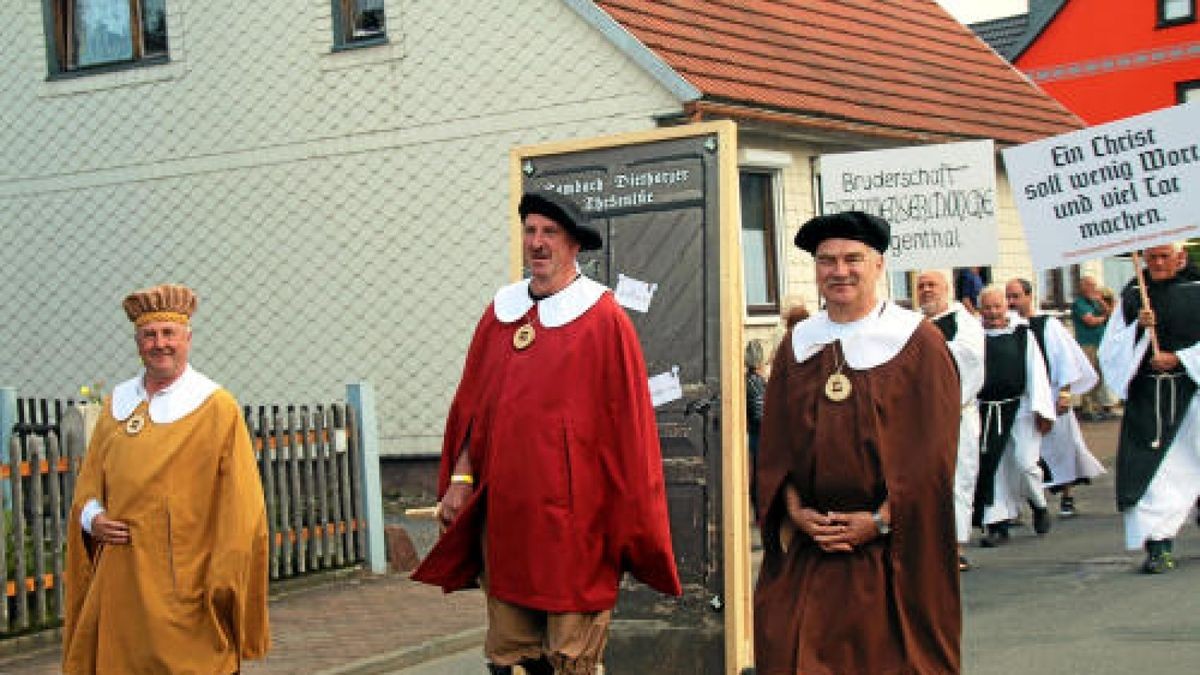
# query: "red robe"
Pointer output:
{"type": "Point", "coordinates": [892, 605]}
{"type": "Point", "coordinates": [564, 449]}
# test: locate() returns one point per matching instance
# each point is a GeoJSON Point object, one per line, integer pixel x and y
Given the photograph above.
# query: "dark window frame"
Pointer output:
{"type": "Point", "coordinates": [343, 28]}
{"type": "Point", "coordinates": [62, 52]}
{"type": "Point", "coordinates": [1182, 88]}
{"type": "Point", "coordinates": [1055, 293]}
{"type": "Point", "coordinates": [1164, 22]}
{"type": "Point", "coordinates": [770, 234]}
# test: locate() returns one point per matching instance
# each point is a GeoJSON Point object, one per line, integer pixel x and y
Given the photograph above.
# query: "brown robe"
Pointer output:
{"type": "Point", "coordinates": [188, 594]}
{"type": "Point", "coordinates": [892, 605]}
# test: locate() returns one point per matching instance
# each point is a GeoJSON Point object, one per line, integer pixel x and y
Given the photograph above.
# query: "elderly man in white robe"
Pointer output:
{"type": "Point", "coordinates": [1158, 455]}
{"type": "Point", "coordinates": [1016, 408]}
{"type": "Point", "coordinates": [964, 337]}
{"type": "Point", "coordinates": [1064, 450]}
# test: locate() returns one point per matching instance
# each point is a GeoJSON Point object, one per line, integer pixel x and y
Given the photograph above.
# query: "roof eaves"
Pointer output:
{"type": "Point", "coordinates": [639, 53]}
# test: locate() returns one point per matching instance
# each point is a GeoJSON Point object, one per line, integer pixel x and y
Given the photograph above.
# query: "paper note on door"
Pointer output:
{"type": "Point", "coordinates": [634, 294]}
{"type": "Point", "coordinates": [665, 387]}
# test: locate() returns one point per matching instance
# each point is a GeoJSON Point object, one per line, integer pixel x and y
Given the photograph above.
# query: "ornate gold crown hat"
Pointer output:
{"type": "Point", "coordinates": [165, 302]}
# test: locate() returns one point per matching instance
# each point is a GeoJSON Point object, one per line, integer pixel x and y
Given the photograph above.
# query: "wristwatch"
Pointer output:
{"type": "Point", "coordinates": [882, 525]}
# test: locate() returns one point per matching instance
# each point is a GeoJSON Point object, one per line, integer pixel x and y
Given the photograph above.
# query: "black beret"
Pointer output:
{"type": "Point", "coordinates": [564, 212]}
{"type": "Point", "coordinates": [856, 225]}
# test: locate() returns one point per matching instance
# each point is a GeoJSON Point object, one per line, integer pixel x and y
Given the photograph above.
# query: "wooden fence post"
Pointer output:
{"type": "Point", "coordinates": [312, 525]}
{"type": "Point", "coordinates": [322, 446]}
{"type": "Point", "coordinates": [345, 511]}
{"type": "Point", "coordinates": [35, 454]}
{"type": "Point", "coordinates": [8, 417]}
{"type": "Point", "coordinates": [361, 396]}
{"type": "Point", "coordinates": [266, 470]}
{"type": "Point", "coordinates": [16, 457]}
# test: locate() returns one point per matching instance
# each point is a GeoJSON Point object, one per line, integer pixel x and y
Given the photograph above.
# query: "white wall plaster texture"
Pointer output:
{"type": "Point", "coordinates": [342, 215]}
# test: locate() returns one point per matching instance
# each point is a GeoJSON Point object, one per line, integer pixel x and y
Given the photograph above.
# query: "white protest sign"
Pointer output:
{"type": "Point", "coordinates": [939, 199]}
{"type": "Point", "coordinates": [1122, 186]}
{"type": "Point", "coordinates": [634, 294]}
{"type": "Point", "coordinates": [666, 387]}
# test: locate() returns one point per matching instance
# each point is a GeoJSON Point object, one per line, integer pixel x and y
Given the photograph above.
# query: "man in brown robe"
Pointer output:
{"type": "Point", "coordinates": [167, 554]}
{"type": "Point", "coordinates": [855, 477]}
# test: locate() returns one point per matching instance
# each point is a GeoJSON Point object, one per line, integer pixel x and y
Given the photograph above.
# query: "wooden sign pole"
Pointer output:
{"type": "Point", "coordinates": [1141, 282]}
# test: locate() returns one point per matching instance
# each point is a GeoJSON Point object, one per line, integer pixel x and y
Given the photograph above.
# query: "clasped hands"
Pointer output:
{"type": "Point", "coordinates": [833, 532]}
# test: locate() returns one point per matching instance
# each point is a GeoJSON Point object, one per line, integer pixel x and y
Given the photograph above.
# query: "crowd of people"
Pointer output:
{"type": "Point", "coordinates": [1019, 434]}
{"type": "Point", "coordinates": [1022, 401]}
{"type": "Point", "coordinates": [882, 439]}
{"type": "Point", "coordinates": [1002, 435]}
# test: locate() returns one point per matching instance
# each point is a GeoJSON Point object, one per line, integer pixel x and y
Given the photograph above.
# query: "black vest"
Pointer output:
{"type": "Point", "coordinates": [1002, 379]}
{"type": "Point", "coordinates": [948, 324]}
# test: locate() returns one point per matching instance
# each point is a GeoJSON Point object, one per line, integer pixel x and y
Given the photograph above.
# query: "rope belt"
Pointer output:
{"type": "Point", "coordinates": [1159, 379]}
{"type": "Point", "coordinates": [996, 407]}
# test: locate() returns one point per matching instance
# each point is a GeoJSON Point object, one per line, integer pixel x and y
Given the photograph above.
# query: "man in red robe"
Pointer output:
{"type": "Point", "coordinates": [551, 482]}
{"type": "Point", "coordinates": [855, 477]}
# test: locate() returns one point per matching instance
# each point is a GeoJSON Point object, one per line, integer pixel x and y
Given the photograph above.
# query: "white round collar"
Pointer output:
{"type": "Point", "coordinates": [513, 301]}
{"type": "Point", "coordinates": [169, 405]}
{"type": "Point", "coordinates": [871, 341]}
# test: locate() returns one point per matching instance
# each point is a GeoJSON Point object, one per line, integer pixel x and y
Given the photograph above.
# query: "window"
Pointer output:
{"type": "Point", "coordinates": [1186, 92]}
{"type": "Point", "coordinates": [759, 265]}
{"type": "Point", "coordinates": [358, 23]}
{"type": "Point", "coordinates": [901, 287]}
{"type": "Point", "coordinates": [92, 33]}
{"type": "Point", "coordinates": [1059, 286]}
{"type": "Point", "coordinates": [1175, 12]}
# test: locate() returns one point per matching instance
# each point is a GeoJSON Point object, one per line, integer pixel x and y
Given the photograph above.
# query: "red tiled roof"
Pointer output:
{"type": "Point", "coordinates": [897, 68]}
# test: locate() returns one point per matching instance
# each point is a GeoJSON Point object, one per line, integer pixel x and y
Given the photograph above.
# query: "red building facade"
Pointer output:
{"type": "Point", "coordinates": [1110, 59]}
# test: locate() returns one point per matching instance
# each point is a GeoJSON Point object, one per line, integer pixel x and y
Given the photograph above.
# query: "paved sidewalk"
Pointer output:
{"type": "Point", "coordinates": [356, 623]}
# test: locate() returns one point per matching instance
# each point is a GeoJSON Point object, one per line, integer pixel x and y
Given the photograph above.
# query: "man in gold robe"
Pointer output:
{"type": "Point", "coordinates": [167, 554]}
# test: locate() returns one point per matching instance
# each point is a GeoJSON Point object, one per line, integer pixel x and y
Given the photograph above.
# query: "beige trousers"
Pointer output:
{"type": "Point", "coordinates": [572, 642]}
{"type": "Point", "coordinates": [1097, 399]}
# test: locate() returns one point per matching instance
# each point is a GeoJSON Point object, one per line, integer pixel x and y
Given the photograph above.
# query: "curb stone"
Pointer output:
{"type": "Point", "coordinates": [410, 656]}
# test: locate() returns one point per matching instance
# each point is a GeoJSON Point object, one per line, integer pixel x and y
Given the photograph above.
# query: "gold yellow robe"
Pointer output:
{"type": "Point", "coordinates": [188, 594]}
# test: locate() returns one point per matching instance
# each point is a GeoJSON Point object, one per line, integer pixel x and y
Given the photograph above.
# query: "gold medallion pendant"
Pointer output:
{"type": "Point", "coordinates": [524, 337]}
{"type": "Point", "coordinates": [135, 424]}
{"type": "Point", "coordinates": [837, 388]}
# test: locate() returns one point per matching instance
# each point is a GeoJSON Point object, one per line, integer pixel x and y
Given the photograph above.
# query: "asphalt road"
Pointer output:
{"type": "Point", "coordinates": [1068, 602]}
{"type": "Point", "coordinates": [1073, 600]}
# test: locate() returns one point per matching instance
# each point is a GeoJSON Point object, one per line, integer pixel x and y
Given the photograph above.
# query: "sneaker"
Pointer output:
{"type": "Point", "coordinates": [1066, 507]}
{"type": "Point", "coordinates": [963, 564]}
{"type": "Point", "coordinates": [1158, 563]}
{"type": "Point", "coordinates": [1159, 558]}
{"type": "Point", "coordinates": [1041, 520]}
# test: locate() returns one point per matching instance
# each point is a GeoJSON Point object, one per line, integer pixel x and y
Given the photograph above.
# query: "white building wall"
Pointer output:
{"type": "Point", "coordinates": [341, 215]}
